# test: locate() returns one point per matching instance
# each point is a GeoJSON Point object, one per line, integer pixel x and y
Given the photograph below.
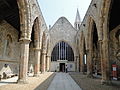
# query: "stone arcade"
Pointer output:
{"type": "Point", "coordinates": [26, 44]}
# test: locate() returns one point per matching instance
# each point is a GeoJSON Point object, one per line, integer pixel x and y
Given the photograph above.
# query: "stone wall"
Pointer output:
{"type": "Point", "coordinates": [107, 51]}
{"type": "Point", "coordinates": [62, 30]}
{"type": "Point", "coordinates": [35, 12]}
{"type": "Point", "coordinates": [9, 46]}
{"type": "Point", "coordinates": [115, 48]}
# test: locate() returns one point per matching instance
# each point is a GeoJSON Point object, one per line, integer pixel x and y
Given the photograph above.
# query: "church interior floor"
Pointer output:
{"type": "Point", "coordinates": [63, 81]}
{"type": "Point", "coordinates": [93, 83]}
{"type": "Point", "coordinates": [34, 83]}
{"type": "Point", "coordinates": [59, 81]}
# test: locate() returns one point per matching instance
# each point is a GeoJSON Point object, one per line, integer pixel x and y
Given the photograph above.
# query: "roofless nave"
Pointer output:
{"type": "Point", "coordinates": [26, 44]}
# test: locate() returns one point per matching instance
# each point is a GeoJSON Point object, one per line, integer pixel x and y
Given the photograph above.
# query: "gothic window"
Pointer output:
{"type": "Point", "coordinates": [78, 26]}
{"type": "Point", "coordinates": [8, 45]}
{"type": "Point", "coordinates": [62, 51]}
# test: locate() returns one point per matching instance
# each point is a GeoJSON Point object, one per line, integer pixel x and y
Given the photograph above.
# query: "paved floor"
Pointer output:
{"type": "Point", "coordinates": [63, 81]}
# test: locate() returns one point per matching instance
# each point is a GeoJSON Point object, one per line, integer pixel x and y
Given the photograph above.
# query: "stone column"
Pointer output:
{"type": "Point", "coordinates": [37, 62]}
{"type": "Point", "coordinates": [89, 63]}
{"type": "Point", "coordinates": [76, 63]}
{"type": "Point", "coordinates": [48, 63]}
{"type": "Point", "coordinates": [77, 58]}
{"type": "Point", "coordinates": [81, 63]}
{"type": "Point", "coordinates": [23, 67]}
{"type": "Point", "coordinates": [105, 68]}
{"type": "Point", "coordinates": [43, 62]}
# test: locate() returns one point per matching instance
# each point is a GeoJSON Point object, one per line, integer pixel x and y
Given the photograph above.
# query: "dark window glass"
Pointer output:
{"type": "Point", "coordinates": [62, 51]}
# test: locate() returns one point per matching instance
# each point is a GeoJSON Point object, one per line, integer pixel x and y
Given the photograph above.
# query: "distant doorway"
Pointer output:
{"type": "Point", "coordinates": [62, 67]}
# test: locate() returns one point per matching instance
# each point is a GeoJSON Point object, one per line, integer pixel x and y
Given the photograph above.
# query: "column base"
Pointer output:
{"type": "Point", "coordinates": [106, 82]}
{"type": "Point", "coordinates": [22, 81]}
{"type": "Point", "coordinates": [48, 70]}
{"type": "Point", "coordinates": [43, 72]}
{"type": "Point", "coordinates": [36, 75]}
{"type": "Point", "coordinates": [90, 75]}
{"type": "Point", "coordinates": [84, 73]}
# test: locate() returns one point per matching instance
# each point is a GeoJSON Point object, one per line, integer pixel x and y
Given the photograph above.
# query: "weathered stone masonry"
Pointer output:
{"type": "Point", "coordinates": [99, 28]}
{"type": "Point", "coordinates": [26, 44]}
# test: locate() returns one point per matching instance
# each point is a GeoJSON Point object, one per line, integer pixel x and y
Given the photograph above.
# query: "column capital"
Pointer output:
{"type": "Point", "coordinates": [37, 49]}
{"type": "Point", "coordinates": [100, 41]}
{"type": "Point", "coordinates": [24, 40]}
{"type": "Point", "coordinates": [44, 53]}
{"type": "Point", "coordinates": [48, 56]}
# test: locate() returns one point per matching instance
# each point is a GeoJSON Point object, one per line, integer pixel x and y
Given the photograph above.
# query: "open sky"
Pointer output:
{"type": "Point", "coordinates": [54, 9]}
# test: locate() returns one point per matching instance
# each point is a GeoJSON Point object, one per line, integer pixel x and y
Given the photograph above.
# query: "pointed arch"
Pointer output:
{"type": "Point", "coordinates": [109, 21]}
{"type": "Point", "coordinates": [92, 36]}
{"type": "Point", "coordinates": [92, 43]}
{"type": "Point", "coordinates": [62, 51]}
{"type": "Point", "coordinates": [61, 41]}
{"type": "Point", "coordinates": [34, 47]}
{"type": "Point", "coordinates": [24, 14]}
{"type": "Point", "coordinates": [35, 34]}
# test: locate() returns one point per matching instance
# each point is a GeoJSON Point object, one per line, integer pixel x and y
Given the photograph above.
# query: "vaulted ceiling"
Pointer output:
{"type": "Point", "coordinates": [9, 11]}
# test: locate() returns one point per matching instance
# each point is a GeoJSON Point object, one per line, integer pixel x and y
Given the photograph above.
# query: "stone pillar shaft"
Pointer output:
{"type": "Point", "coordinates": [81, 63]}
{"type": "Point", "coordinates": [48, 63]}
{"type": "Point", "coordinates": [89, 63]}
{"type": "Point", "coordinates": [37, 62]}
{"type": "Point", "coordinates": [43, 62]}
{"type": "Point", "coordinates": [105, 63]}
{"type": "Point", "coordinates": [77, 59]}
{"type": "Point", "coordinates": [24, 53]}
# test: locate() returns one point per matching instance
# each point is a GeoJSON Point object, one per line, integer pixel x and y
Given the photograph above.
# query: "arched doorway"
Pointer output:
{"type": "Point", "coordinates": [34, 49]}
{"type": "Point", "coordinates": [96, 52]}
{"type": "Point", "coordinates": [84, 56]}
{"type": "Point", "coordinates": [61, 56]}
{"type": "Point", "coordinates": [93, 45]}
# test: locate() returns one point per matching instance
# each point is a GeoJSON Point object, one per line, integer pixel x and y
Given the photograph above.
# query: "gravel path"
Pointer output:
{"type": "Point", "coordinates": [34, 83]}
{"type": "Point", "coordinates": [93, 84]}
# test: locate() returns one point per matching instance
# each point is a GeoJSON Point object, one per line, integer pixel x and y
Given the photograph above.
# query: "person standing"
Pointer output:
{"type": "Point", "coordinates": [66, 68]}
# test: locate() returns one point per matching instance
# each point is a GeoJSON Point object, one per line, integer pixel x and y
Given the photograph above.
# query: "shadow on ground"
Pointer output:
{"type": "Point", "coordinates": [93, 83]}
{"type": "Point", "coordinates": [5, 82]}
{"type": "Point", "coordinates": [44, 85]}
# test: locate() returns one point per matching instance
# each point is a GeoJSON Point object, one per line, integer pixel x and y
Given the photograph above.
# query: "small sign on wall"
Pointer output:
{"type": "Point", "coordinates": [71, 66]}
{"type": "Point", "coordinates": [114, 68]}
